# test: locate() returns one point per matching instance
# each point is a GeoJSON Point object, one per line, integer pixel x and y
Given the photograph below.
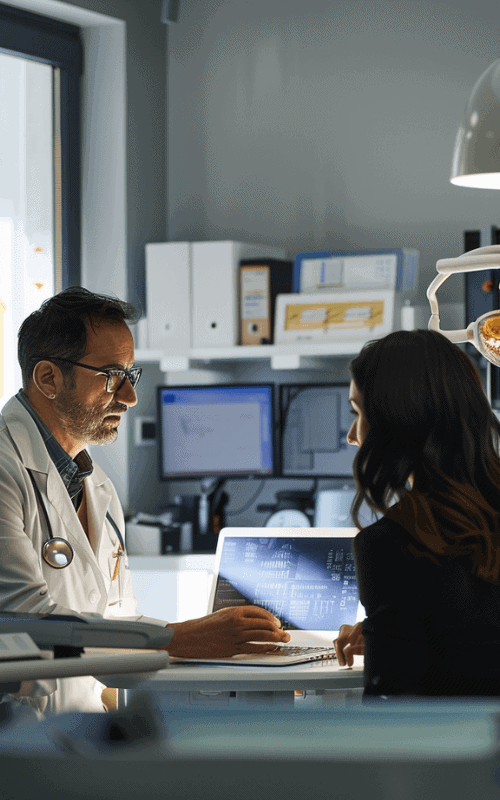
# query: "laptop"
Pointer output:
{"type": "Point", "coordinates": [304, 576]}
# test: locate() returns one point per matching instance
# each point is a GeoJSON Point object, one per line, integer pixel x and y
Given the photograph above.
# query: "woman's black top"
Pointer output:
{"type": "Point", "coordinates": [431, 628]}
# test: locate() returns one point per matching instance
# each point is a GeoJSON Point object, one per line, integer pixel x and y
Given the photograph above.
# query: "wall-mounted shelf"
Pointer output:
{"type": "Point", "coordinates": [309, 355]}
{"type": "Point", "coordinates": [296, 355]}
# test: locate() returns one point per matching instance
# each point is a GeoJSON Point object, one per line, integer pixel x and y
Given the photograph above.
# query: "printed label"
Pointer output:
{"type": "Point", "coordinates": [332, 316]}
{"type": "Point", "coordinates": [254, 293]}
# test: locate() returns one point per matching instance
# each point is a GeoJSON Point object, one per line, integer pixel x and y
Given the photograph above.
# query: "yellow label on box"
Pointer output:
{"type": "Point", "coordinates": [334, 316]}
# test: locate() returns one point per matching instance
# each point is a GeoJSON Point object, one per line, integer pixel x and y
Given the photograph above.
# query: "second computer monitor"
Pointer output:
{"type": "Point", "coordinates": [224, 431]}
{"type": "Point", "coordinates": [315, 419]}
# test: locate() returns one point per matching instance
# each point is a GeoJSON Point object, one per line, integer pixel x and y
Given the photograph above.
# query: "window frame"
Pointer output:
{"type": "Point", "coordinates": [57, 43]}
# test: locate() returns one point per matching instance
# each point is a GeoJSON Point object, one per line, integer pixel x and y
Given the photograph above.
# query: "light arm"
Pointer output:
{"type": "Point", "coordinates": [473, 261]}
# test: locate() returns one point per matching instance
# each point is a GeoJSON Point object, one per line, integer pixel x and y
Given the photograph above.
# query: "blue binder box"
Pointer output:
{"type": "Point", "coordinates": [340, 270]}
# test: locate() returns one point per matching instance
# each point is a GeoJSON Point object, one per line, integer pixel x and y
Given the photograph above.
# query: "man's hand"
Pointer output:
{"type": "Point", "coordinates": [350, 643]}
{"type": "Point", "coordinates": [109, 698]}
{"type": "Point", "coordinates": [226, 633]}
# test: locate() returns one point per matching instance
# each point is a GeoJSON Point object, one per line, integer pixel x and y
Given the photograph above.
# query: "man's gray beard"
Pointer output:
{"type": "Point", "coordinates": [84, 424]}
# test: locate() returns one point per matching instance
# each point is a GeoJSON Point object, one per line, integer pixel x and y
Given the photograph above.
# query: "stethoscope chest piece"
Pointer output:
{"type": "Point", "coordinates": [57, 553]}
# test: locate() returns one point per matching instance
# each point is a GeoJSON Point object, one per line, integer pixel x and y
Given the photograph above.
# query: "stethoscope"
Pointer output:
{"type": "Point", "coordinates": [56, 551]}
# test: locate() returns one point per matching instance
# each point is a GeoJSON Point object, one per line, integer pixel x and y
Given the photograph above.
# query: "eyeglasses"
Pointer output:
{"type": "Point", "coordinates": [115, 378]}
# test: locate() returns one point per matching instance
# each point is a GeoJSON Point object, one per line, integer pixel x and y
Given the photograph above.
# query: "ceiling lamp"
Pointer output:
{"type": "Point", "coordinates": [476, 157]}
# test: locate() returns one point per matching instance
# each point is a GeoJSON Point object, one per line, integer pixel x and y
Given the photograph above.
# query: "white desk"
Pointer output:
{"type": "Point", "coordinates": [177, 588]}
{"type": "Point", "coordinates": [200, 685]}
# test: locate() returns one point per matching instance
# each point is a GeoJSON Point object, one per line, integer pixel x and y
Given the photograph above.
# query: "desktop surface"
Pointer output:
{"type": "Point", "coordinates": [182, 677]}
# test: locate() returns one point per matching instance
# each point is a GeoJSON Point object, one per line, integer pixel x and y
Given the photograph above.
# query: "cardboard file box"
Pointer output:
{"type": "Point", "coordinates": [346, 316]}
{"type": "Point", "coordinates": [261, 281]}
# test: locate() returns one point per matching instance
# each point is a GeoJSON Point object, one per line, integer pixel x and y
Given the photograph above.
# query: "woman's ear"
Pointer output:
{"type": "Point", "coordinates": [47, 379]}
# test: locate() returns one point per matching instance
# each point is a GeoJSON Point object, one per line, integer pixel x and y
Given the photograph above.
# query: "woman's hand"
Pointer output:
{"type": "Point", "coordinates": [350, 643]}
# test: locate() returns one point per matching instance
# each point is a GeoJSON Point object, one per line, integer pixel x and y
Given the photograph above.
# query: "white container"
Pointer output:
{"type": "Point", "coordinates": [215, 289]}
{"type": "Point", "coordinates": [142, 540]}
{"type": "Point", "coordinates": [333, 509]}
{"type": "Point", "coordinates": [168, 297]}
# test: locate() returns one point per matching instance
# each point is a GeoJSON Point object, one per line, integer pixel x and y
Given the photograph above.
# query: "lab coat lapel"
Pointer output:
{"type": "Point", "coordinates": [65, 523]}
{"type": "Point", "coordinates": [34, 456]}
{"type": "Point", "coordinates": [58, 497]}
{"type": "Point", "coordinates": [62, 515]}
{"type": "Point", "coordinates": [99, 497]}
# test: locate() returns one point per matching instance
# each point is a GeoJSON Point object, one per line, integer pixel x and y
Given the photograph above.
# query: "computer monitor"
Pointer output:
{"type": "Point", "coordinates": [225, 431]}
{"type": "Point", "coordinates": [315, 419]}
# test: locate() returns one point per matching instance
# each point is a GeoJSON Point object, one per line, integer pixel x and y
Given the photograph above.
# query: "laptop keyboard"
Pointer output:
{"type": "Point", "coordinates": [281, 655]}
{"type": "Point", "coordinates": [294, 650]}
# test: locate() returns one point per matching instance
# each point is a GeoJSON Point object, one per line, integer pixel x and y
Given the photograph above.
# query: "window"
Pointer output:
{"type": "Point", "coordinates": [40, 66]}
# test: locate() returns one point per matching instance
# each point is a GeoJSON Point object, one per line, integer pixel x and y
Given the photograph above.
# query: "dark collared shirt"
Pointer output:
{"type": "Point", "coordinates": [72, 471]}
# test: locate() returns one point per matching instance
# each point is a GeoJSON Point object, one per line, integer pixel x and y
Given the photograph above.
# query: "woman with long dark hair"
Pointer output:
{"type": "Point", "coordinates": [428, 568]}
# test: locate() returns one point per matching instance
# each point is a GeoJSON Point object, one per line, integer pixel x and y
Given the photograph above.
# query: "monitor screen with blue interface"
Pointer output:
{"type": "Point", "coordinates": [309, 583]}
{"type": "Point", "coordinates": [216, 430]}
{"type": "Point", "coordinates": [314, 422]}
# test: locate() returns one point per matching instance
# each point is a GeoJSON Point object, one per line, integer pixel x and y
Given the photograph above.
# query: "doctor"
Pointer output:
{"type": "Point", "coordinates": [61, 524]}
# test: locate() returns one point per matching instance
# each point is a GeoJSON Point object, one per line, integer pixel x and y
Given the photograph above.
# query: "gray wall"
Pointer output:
{"type": "Point", "coordinates": [146, 115]}
{"type": "Point", "coordinates": [308, 125]}
{"type": "Point", "coordinates": [143, 188]}
{"type": "Point", "coordinates": [320, 124]}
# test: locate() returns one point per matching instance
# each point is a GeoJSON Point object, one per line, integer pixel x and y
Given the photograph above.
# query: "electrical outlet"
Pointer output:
{"type": "Point", "coordinates": [144, 431]}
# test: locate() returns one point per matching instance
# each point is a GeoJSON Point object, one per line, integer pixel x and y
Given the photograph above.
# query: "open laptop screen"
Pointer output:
{"type": "Point", "coordinates": [308, 582]}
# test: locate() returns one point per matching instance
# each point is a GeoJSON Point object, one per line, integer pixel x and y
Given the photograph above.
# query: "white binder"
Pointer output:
{"type": "Point", "coordinates": [215, 291]}
{"type": "Point", "coordinates": [168, 296]}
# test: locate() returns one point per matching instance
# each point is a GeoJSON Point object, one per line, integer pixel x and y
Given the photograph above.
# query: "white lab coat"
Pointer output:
{"type": "Point", "coordinates": [27, 583]}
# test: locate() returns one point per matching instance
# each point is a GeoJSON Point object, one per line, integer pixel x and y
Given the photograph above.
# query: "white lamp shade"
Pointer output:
{"type": "Point", "coordinates": [476, 157]}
